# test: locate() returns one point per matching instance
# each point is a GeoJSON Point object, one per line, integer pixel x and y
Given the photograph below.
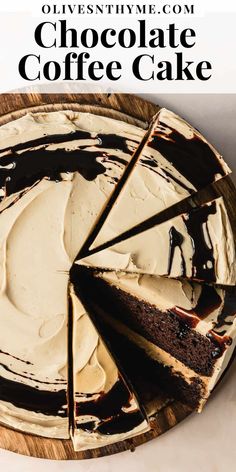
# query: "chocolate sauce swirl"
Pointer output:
{"type": "Point", "coordinates": [19, 171]}
{"type": "Point", "coordinates": [203, 262]}
{"type": "Point", "coordinates": [193, 158]}
{"type": "Point", "coordinates": [108, 404]}
{"type": "Point", "coordinates": [32, 399]}
{"type": "Point", "coordinates": [176, 240]}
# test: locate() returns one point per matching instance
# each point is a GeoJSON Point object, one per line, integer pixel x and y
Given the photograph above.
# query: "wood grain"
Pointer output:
{"type": "Point", "coordinates": [136, 111]}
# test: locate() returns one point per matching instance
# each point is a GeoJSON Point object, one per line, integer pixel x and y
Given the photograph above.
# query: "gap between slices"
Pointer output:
{"type": "Point", "coordinates": [115, 195]}
{"type": "Point", "coordinates": [198, 245]}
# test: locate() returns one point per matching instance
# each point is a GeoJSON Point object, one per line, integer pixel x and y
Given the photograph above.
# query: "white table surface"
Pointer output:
{"type": "Point", "coordinates": [203, 442]}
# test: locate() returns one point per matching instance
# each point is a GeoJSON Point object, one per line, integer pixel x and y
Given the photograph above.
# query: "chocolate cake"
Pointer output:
{"type": "Point", "coordinates": [69, 183]}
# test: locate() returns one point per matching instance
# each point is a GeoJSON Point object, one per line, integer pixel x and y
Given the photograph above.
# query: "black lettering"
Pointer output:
{"type": "Point", "coordinates": [68, 61]}
{"type": "Point", "coordinates": [142, 34]}
{"type": "Point", "coordinates": [112, 67]}
{"type": "Point", "coordinates": [172, 36]}
{"type": "Point", "coordinates": [90, 9]}
{"type": "Point", "coordinates": [104, 37]}
{"type": "Point", "coordinates": [184, 35]}
{"type": "Point", "coordinates": [64, 43]}
{"type": "Point", "coordinates": [96, 65]}
{"type": "Point", "coordinates": [159, 40]}
{"type": "Point", "coordinates": [82, 59]}
{"type": "Point", "coordinates": [23, 64]}
{"type": "Point", "coordinates": [138, 65]}
{"type": "Point", "coordinates": [93, 38]}
{"type": "Point", "coordinates": [204, 65]}
{"type": "Point", "coordinates": [189, 9]}
{"type": "Point", "coordinates": [128, 42]}
{"type": "Point", "coordinates": [166, 72]}
{"type": "Point", "coordinates": [46, 9]}
{"type": "Point", "coordinates": [183, 69]}
{"type": "Point", "coordinates": [52, 71]}
{"type": "Point", "coordinates": [40, 32]}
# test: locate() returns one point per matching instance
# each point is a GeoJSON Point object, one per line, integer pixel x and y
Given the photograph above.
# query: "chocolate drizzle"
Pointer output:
{"type": "Point", "coordinates": [31, 376]}
{"type": "Point", "coordinates": [203, 262]}
{"type": "Point", "coordinates": [228, 310]}
{"type": "Point", "coordinates": [48, 139]}
{"type": "Point", "coordinates": [193, 158]}
{"type": "Point", "coordinates": [176, 240]}
{"type": "Point", "coordinates": [20, 171]}
{"type": "Point", "coordinates": [221, 343]}
{"type": "Point", "coordinates": [31, 399]}
{"type": "Point", "coordinates": [108, 404]}
{"type": "Point", "coordinates": [109, 411]}
{"type": "Point", "coordinates": [14, 357]}
{"type": "Point", "coordinates": [150, 163]}
{"type": "Point", "coordinates": [208, 301]}
{"type": "Point", "coordinates": [120, 424]}
{"type": "Point", "coordinates": [114, 141]}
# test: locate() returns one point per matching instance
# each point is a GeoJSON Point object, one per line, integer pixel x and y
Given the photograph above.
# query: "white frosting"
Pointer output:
{"type": "Point", "coordinates": [33, 301]}
{"type": "Point", "coordinates": [149, 191]}
{"type": "Point", "coordinates": [148, 252]}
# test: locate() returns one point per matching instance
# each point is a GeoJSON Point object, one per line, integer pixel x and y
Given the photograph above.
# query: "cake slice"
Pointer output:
{"type": "Point", "coordinates": [175, 162]}
{"type": "Point", "coordinates": [106, 409]}
{"type": "Point", "coordinates": [184, 332]}
{"type": "Point", "coordinates": [198, 245]}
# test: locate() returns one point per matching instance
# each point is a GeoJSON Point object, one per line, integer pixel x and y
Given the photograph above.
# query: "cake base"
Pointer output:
{"type": "Point", "coordinates": [135, 111]}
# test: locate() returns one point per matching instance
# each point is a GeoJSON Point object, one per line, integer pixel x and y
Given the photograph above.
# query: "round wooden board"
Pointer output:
{"type": "Point", "coordinates": [134, 110]}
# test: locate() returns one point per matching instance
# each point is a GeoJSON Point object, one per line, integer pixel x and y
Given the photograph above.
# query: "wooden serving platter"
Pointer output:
{"type": "Point", "coordinates": [134, 110]}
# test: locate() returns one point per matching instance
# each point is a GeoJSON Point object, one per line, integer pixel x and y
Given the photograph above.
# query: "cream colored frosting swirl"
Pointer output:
{"type": "Point", "coordinates": [41, 231]}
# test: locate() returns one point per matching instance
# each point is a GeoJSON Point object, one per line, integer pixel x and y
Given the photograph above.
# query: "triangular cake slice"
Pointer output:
{"type": "Point", "coordinates": [184, 332]}
{"type": "Point", "coordinates": [106, 409]}
{"type": "Point", "coordinates": [198, 245]}
{"type": "Point", "coordinates": [175, 162]}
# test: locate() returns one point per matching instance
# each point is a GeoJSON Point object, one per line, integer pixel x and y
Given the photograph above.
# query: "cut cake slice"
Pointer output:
{"type": "Point", "coordinates": [175, 162]}
{"type": "Point", "coordinates": [185, 332]}
{"type": "Point", "coordinates": [106, 409]}
{"type": "Point", "coordinates": [198, 245]}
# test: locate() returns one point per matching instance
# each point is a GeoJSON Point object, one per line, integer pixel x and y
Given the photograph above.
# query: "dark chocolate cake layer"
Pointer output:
{"type": "Point", "coordinates": [168, 330]}
{"type": "Point", "coordinates": [146, 374]}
